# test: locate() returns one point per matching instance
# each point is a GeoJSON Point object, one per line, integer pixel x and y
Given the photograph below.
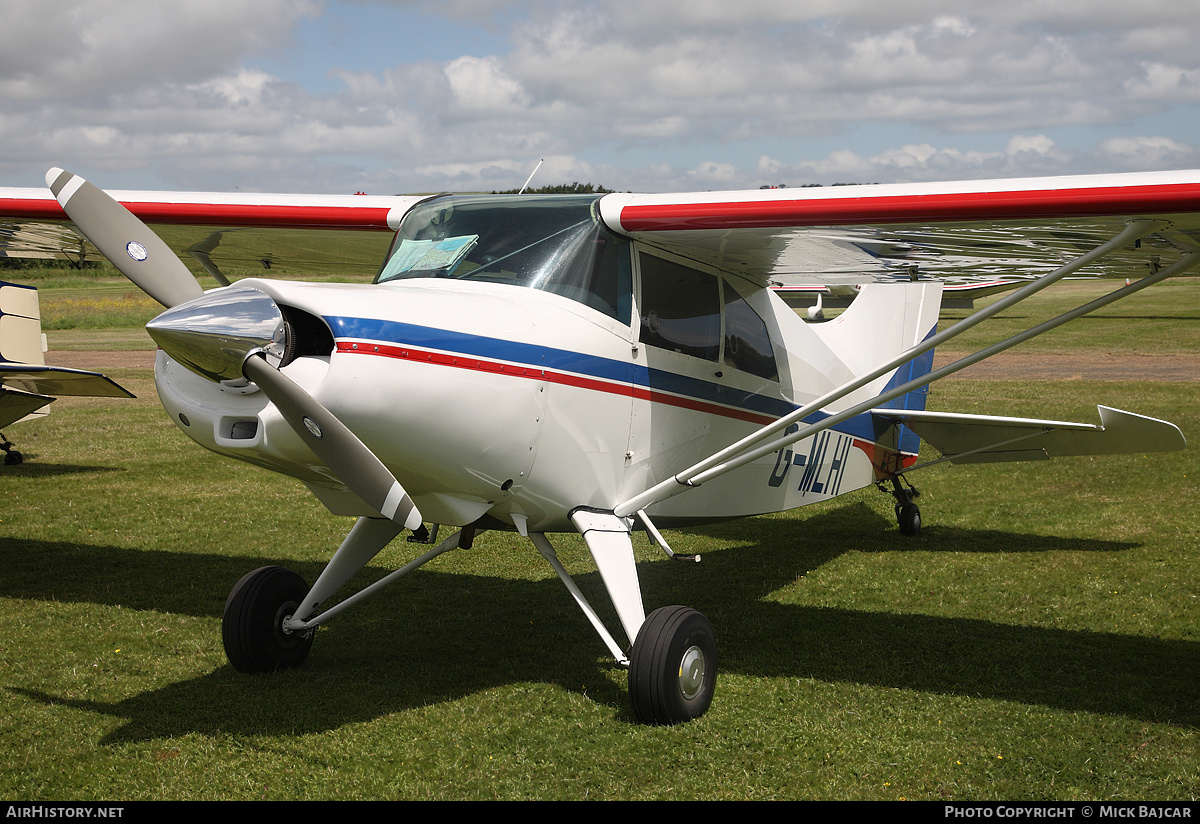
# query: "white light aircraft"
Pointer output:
{"type": "Point", "coordinates": [26, 383]}
{"type": "Point", "coordinates": [606, 364]}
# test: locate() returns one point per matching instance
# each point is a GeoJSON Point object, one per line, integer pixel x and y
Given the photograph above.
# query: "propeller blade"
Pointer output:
{"type": "Point", "coordinates": [131, 245]}
{"type": "Point", "coordinates": [340, 449]}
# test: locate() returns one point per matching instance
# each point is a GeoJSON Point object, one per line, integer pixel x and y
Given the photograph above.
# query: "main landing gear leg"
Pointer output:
{"type": "Point", "coordinates": [908, 514]}
{"type": "Point", "coordinates": [673, 660]}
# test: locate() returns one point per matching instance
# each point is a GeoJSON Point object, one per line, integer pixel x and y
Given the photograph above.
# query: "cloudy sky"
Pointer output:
{"type": "Point", "coordinates": [399, 96]}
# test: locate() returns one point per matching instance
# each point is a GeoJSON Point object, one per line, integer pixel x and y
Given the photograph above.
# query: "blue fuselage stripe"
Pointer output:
{"type": "Point", "coordinates": [591, 366]}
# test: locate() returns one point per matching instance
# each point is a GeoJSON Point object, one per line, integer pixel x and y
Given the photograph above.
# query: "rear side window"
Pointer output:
{"type": "Point", "coordinates": [747, 341]}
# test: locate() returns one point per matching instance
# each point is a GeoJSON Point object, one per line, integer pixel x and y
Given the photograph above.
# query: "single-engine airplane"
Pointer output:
{"type": "Point", "coordinates": [26, 383]}
{"type": "Point", "coordinates": [600, 364]}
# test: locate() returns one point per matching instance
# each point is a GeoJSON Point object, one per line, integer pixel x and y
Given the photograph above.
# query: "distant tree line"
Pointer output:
{"type": "Point", "coordinates": [48, 262]}
{"type": "Point", "coordinates": [578, 188]}
{"type": "Point", "coordinates": [575, 188]}
{"type": "Point", "coordinates": [809, 185]}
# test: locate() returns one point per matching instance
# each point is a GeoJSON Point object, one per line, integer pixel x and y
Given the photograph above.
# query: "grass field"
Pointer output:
{"type": "Point", "coordinates": [1040, 639]}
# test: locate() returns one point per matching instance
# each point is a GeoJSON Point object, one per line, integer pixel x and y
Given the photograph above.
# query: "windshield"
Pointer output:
{"type": "Point", "coordinates": [547, 242]}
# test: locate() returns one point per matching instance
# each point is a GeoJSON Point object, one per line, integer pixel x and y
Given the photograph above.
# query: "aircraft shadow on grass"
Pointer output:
{"type": "Point", "coordinates": [31, 469]}
{"type": "Point", "coordinates": [439, 636]}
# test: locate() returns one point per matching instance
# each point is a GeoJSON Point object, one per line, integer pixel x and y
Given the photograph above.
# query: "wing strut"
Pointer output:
{"type": "Point", "coordinates": [763, 442]}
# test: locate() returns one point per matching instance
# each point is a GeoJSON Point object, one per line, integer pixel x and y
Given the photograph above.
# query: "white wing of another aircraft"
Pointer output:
{"type": "Point", "coordinates": [598, 364]}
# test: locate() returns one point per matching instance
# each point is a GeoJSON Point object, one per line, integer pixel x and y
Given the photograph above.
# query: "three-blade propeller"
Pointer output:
{"type": "Point", "coordinates": [146, 260]}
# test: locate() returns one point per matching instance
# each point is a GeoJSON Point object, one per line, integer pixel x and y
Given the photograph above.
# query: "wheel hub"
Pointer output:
{"type": "Point", "coordinates": [286, 638]}
{"type": "Point", "coordinates": [691, 672]}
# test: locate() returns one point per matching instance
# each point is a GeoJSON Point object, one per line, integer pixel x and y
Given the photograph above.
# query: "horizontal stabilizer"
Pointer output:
{"type": "Point", "coordinates": [984, 439]}
{"type": "Point", "coordinates": [15, 406]}
{"type": "Point", "coordinates": [59, 380]}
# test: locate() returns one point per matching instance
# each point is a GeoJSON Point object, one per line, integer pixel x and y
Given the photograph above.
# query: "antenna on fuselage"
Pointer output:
{"type": "Point", "coordinates": [531, 174]}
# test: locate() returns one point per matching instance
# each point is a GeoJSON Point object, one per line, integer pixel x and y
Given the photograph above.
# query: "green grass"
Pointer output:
{"type": "Point", "coordinates": [1040, 639]}
{"type": "Point", "coordinates": [1162, 319]}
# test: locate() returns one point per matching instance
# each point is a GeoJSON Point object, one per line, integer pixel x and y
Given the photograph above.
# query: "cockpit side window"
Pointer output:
{"type": "Point", "coordinates": [680, 308]}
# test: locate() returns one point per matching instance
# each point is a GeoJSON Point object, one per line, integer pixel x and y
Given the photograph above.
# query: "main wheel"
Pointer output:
{"type": "Point", "coordinates": [673, 667]}
{"type": "Point", "coordinates": [252, 626]}
{"type": "Point", "coordinates": [909, 517]}
{"type": "Point", "coordinates": [13, 458]}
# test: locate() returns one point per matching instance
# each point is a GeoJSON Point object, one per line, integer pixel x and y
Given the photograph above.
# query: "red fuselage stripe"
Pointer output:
{"type": "Point", "coordinates": [564, 378]}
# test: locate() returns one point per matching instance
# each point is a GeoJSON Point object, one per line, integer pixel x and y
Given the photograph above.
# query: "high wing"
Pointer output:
{"type": "Point", "coordinates": [295, 233]}
{"type": "Point", "coordinates": [979, 238]}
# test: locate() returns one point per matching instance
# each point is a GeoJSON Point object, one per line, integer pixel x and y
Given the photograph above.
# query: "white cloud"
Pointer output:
{"type": "Point", "coordinates": [1023, 143]}
{"type": "Point", "coordinates": [710, 173]}
{"type": "Point", "coordinates": [481, 85]}
{"type": "Point", "coordinates": [1136, 153]}
{"type": "Point", "coordinates": [70, 51]}
{"type": "Point", "coordinates": [1166, 83]}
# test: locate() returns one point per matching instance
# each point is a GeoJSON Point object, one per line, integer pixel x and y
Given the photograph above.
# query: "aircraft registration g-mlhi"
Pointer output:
{"type": "Point", "coordinates": [605, 364]}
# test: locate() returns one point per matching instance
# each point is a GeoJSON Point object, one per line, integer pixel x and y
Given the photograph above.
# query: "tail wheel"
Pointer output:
{"type": "Point", "coordinates": [252, 626]}
{"type": "Point", "coordinates": [673, 667]}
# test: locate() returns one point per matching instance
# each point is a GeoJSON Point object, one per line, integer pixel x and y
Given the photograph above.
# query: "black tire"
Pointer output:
{"type": "Point", "coordinates": [252, 626]}
{"type": "Point", "coordinates": [673, 667]}
{"type": "Point", "coordinates": [13, 458]}
{"type": "Point", "coordinates": [909, 516]}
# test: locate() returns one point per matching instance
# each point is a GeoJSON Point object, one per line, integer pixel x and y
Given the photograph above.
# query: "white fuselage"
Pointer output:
{"type": "Point", "coordinates": [503, 401]}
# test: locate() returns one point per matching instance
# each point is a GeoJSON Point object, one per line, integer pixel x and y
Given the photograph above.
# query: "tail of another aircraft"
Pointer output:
{"type": "Point", "coordinates": [26, 383]}
{"type": "Point", "coordinates": [21, 339]}
{"type": "Point", "coordinates": [21, 342]}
